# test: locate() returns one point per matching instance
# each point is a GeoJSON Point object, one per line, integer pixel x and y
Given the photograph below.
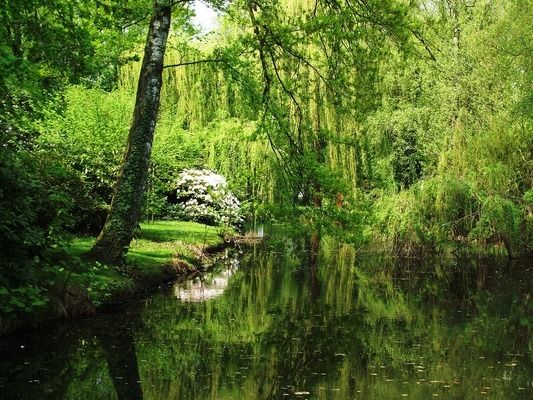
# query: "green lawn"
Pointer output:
{"type": "Point", "coordinates": [159, 242]}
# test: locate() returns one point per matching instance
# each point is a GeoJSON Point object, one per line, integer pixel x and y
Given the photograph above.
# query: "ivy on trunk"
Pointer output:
{"type": "Point", "coordinates": [114, 239]}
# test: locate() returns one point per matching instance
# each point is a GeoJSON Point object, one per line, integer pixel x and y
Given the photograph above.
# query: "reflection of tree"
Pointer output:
{"type": "Point", "coordinates": [81, 359]}
{"type": "Point", "coordinates": [119, 350]}
{"type": "Point", "coordinates": [264, 307]}
{"type": "Point", "coordinates": [269, 335]}
{"type": "Point", "coordinates": [314, 247]}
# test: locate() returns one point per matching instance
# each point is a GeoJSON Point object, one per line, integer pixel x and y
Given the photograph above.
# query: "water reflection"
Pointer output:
{"type": "Point", "coordinates": [309, 321]}
{"type": "Point", "coordinates": [208, 286]}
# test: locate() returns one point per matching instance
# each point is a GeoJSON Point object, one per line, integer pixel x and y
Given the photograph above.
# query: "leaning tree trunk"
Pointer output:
{"type": "Point", "coordinates": [117, 233]}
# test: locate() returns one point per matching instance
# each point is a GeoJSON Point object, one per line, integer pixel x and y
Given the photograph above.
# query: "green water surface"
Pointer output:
{"type": "Point", "coordinates": [290, 323]}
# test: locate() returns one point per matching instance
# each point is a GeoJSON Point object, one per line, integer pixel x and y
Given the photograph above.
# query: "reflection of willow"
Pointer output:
{"type": "Point", "coordinates": [116, 349]}
{"type": "Point", "coordinates": [265, 308]}
{"type": "Point", "coordinates": [269, 335]}
{"type": "Point", "coordinates": [267, 302]}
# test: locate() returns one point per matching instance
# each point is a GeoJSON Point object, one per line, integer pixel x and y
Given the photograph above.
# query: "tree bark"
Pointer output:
{"type": "Point", "coordinates": [123, 217]}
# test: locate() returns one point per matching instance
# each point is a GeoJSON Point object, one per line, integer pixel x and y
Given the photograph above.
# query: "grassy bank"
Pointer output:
{"type": "Point", "coordinates": [163, 243]}
{"type": "Point", "coordinates": [162, 251]}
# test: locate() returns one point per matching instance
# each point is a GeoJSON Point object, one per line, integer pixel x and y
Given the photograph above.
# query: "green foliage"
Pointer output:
{"type": "Point", "coordinates": [101, 282]}
{"type": "Point", "coordinates": [442, 212]}
{"type": "Point", "coordinates": [43, 46]}
{"type": "Point", "coordinates": [407, 124]}
{"type": "Point", "coordinates": [175, 148]}
{"type": "Point", "coordinates": [460, 115]}
{"type": "Point", "coordinates": [47, 43]}
{"type": "Point", "coordinates": [24, 299]}
{"type": "Point", "coordinates": [88, 139]}
{"type": "Point", "coordinates": [34, 211]}
{"type": "Point", "coordinates": [400, 150]}
{"type": "Point", "coordinates": [499, 219]}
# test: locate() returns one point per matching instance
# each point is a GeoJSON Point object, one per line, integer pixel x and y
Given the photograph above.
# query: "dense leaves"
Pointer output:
{"type": "Point", "coordinates": [401, 124]}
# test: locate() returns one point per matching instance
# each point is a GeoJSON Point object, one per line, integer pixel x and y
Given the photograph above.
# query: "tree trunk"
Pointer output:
{"type": "Point", "coordinates": [114, 239]}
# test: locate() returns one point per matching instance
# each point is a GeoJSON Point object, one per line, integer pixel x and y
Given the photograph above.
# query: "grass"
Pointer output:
{"type": "Point", "coordinates": [158, 243]}
{"type": "Point", "coordinates": [159, 249]}
{"type": "Point", "coordinates": [161, 252]}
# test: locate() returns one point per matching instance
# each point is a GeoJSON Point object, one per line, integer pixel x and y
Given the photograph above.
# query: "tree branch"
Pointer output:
{"type": "Point", "coordinates": [132, 23]}
{"type": "Point", "coordinates": [208, 60]}
{"type": "Point", "coordinates": [424, 42]}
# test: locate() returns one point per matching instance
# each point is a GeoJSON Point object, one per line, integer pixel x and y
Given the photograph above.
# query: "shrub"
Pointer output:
{"type": "Point", "coordinates": [202, 195]}
{"type": "Point", "coordinates": [34, 212]}
{"type": "Point", "coordinates": [499, 221]}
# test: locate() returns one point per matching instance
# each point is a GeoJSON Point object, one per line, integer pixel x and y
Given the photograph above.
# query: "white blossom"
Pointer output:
{"type": "Point", "coordinates": [203, 196]}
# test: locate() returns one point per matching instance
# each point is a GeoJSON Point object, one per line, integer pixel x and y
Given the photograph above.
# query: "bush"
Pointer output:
{"type": "Point", "coordinates": [499, 221]}
{"type": "Point", "coordinates": [202, 195]}
{"type": "Point", "coordinates": [34, 212]}
{"type": "Point", "coordinates": [87, 137]}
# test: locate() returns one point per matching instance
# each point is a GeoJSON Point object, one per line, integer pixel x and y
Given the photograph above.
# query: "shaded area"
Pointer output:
{"type": "Point", "coordinates": [119, 351]}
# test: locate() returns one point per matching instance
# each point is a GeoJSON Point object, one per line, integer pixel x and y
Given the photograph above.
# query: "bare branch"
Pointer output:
{"type": "Point", "coordinates": [144, 17]}
{"type": "Point", "coordinates": [424, 42]}
{"type": "Point", "coordinates": [209, 60]}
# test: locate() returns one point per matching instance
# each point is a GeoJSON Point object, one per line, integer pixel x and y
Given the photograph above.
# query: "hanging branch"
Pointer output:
{"type": "Point", "coordinates": [262, 57]}
{"type": "Point", "coordinates": [298, 107]}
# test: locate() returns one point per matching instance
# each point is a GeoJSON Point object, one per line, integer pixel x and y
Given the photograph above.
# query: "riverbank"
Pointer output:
{"type": "Point", "coordinates": [162, 252]}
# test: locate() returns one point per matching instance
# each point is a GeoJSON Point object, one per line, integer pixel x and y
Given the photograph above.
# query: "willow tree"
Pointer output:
{"type": "Point", "coordinates": [318, 63]}
{"type": "Point", "coordinates": [124, 214]}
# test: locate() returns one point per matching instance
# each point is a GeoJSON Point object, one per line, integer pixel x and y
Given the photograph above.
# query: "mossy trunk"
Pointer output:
{"type": "Point", "coordinates": [114, 239]}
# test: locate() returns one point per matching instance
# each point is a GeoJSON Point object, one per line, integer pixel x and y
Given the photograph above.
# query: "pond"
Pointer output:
{"type": "Point", "coordinates": [287, 322]}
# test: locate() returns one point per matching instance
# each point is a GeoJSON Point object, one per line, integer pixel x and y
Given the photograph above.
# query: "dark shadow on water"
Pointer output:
{"type": "Point", "coordinates": [119, 349]}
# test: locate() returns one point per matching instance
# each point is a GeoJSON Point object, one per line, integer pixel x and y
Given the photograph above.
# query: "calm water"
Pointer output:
{"type": "Point", "coordinates": [285, 323]}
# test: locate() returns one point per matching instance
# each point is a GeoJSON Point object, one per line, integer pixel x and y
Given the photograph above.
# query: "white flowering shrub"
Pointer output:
{"type": "Point", "coordinates": [203, 196]}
